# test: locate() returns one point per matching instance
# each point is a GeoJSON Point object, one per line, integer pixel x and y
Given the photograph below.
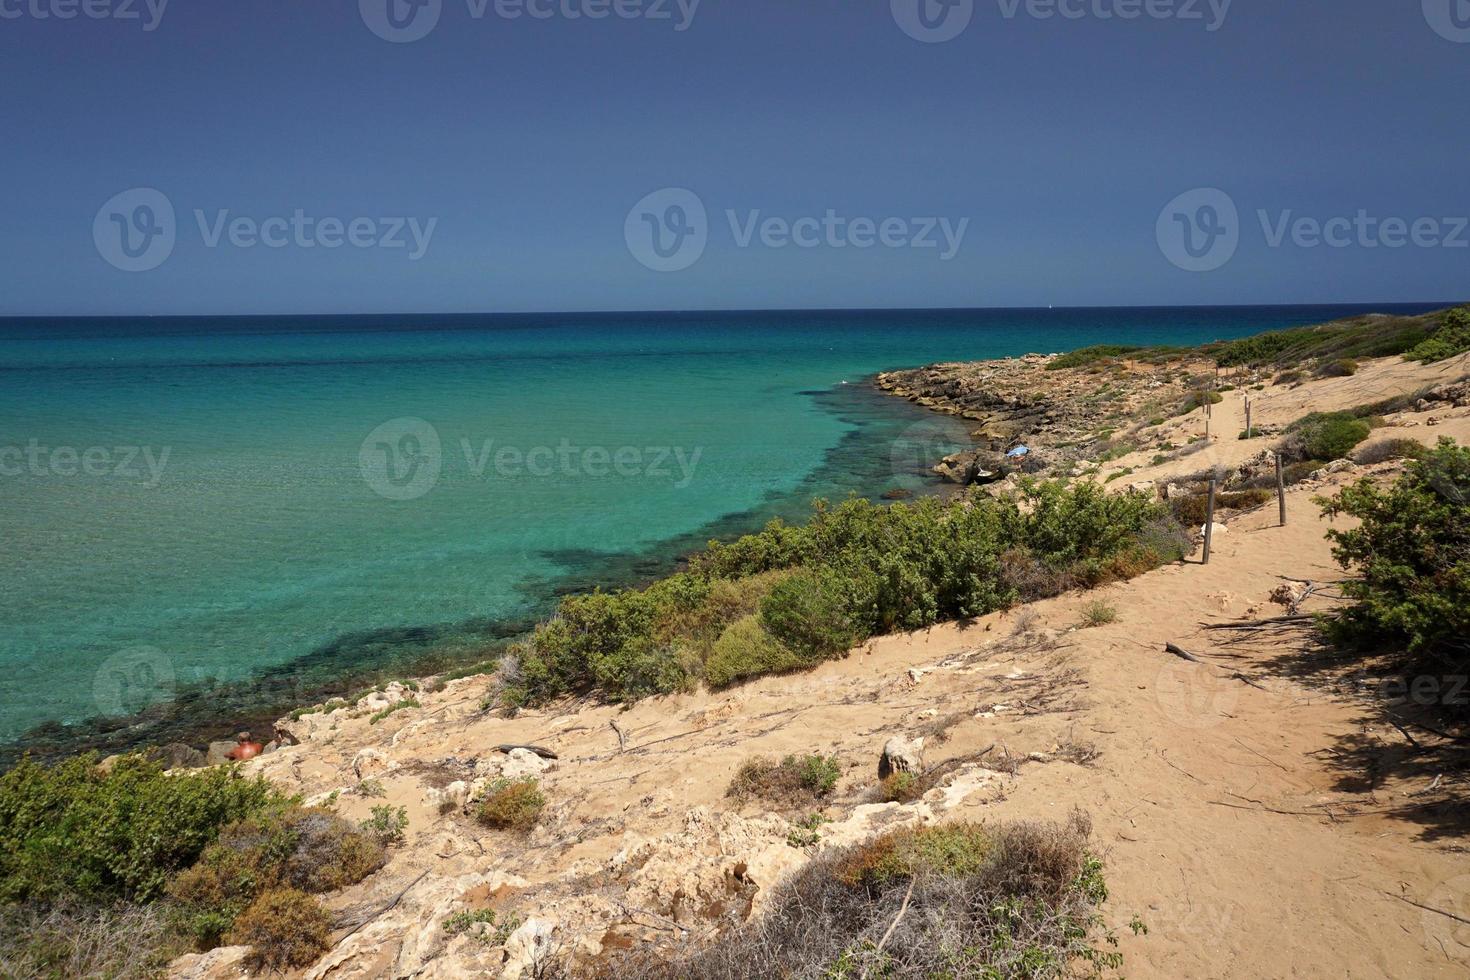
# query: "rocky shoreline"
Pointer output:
{"type": "Point", "coordinates": [1065, 417]}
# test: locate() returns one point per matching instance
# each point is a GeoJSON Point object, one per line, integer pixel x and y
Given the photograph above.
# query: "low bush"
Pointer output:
{"type": "Point", "coordinates": [1197, 399]}
{"type": "Point", "coordinates": [386, 825]}
{"type": "Point", "coordinates": [815, 591]}
{"type": "Point", "coordinates": [1323, 435]}
{"type": "Point", "coordinates": [808, 614]}
{"type": "Point", "coordinates": [284, 928]}
{"type": "Point", "coordinates": [512, 804]}
{"type": "Point", "coordinates": [1387, 449]}
{"type": "Point", "coordinates": [1344, 367]}
{"type": "Point", "coordinates": [1012, 901]}
{"type": "Point", "coordinates": [75, 830]}
{"type": "Point", "coordinates": [746, 650]}
{"type": "Point", "coordinates": [1090, 355]}
{"type": "Point", "coordinates": [305, 849]}
{"type": "Point", "coordinates": [794, 781]}
{"type": "Point", "coordinates": [1451, 339]}
{"type": "Point", "coordinates": [1411, 553]}
{"type": "Point", "coordinates": [900, 787]}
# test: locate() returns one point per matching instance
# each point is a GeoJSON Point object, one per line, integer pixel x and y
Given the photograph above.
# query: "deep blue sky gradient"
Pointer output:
{"type": "Point", "coordinates": [530, 141]}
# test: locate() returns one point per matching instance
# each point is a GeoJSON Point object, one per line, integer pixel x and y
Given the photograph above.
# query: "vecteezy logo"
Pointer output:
{"type": "Point", "coordinates": [668, 230]}
{"type": "Point", "coordinates": [135, 231]}
{"type": "Point", "coordinates": [1199, 230]}
{"type": "Point", "coordinates": [401, 459]}
{"type": "Point", "coordinates": [130, 681]}
{"type": "Point", "coordinates": [933, 21]}
{"type": "Point", "coordinates": [1447, 913]}
{"type": "Point", "coordinates": [1192, 696]}
{"type": "Point", "coordinates": [1449, 18]}
{"type": "Point", "coordinates": [913, 455]}
{"type": "Point", "coordinates": [400, 21]}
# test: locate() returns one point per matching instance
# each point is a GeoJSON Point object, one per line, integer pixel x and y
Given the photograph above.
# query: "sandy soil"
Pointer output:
{"type": "Point", "coordinates": [1255, 813]}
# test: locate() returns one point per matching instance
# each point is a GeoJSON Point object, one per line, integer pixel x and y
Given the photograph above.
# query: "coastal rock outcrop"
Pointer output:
{"type": "Point", "coordinates": [901, 755]}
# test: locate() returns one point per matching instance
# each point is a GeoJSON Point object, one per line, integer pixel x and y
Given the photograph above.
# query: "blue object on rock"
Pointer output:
{"type": "Point", "coordinates": [1018, 452]}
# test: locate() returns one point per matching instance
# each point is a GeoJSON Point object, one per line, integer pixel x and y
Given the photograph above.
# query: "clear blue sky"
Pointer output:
{"type": "Point", "coordinates": [529, 140]}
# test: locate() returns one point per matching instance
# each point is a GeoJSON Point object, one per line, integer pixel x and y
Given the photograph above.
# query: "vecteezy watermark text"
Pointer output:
{"type": "Point", "coordinates": [148, 13]}
{"type": "Point", "coordinates": [137, 230]}
{"type": "Point", "coordinates": [937, 21]}
{"type": "Point", "coordinates": [405, 21]}
{"type": "Point", "coordinates": [122, 462]}
{"type": "Point", "coordinates": [1200, 230]}
{"type": "Point", "coordinates": [403, 459]}
{"type": "Point", "coordinates": [669, 230]}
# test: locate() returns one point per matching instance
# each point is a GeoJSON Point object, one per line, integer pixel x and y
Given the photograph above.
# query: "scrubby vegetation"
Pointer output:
{"type": "Point", "coordinates": [306, 850]}
{"type": "Point", "coordinates": [956, 900]}
{"type": "Point", "coordinates": [794, 781]}
{"type": "Point", "coordinates": [1323, 436]}
{"type": "Point", "coordinates": [790, 597]}
{"type": "Point", "coordinates": [73, 830]}
{"type": "Point", "coordinates": [168, 860]}
{"type": "Point", "coordinates": [284, 928]}
{"type": "Point", "coordinates": [1412, 557]}
{"type": "Point", "coordinates": [512, 804]}
{"type": "Point", "coordinates": [1452, 338]}
{"type": "Point", "coordinates": [1387, 449]}
{"type": "Point", "coordinates": [1090, 355]}
{"type": "Point", "coordinates": [62, 940]}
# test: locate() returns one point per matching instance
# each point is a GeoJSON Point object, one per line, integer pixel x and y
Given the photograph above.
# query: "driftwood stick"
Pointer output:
{"type": "Point", "coordinates": [1431, 908]}
{"type": "Point", "coordinates": [622, 739]}
{"type": "Point", "coordinates": [902, 910]}
{"type": "Point", "coordinates": [1179, 651]}
{"type": "Point", "coordinates": [544, 753]}
{"type": "Point", "coordinates": [370, 915]}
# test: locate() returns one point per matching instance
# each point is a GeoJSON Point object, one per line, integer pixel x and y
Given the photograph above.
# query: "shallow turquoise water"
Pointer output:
{"type": "Point", "coordinates": [271, 536]}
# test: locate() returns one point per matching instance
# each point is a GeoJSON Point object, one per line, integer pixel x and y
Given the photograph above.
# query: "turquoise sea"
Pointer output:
{"type": "Point", "coordinates": [219, 517]}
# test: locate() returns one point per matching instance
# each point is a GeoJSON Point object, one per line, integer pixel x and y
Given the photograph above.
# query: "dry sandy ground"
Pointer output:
{"type": "Point", "coordinates": [1261, 825]}
{"type": "Point", "coordinates": [1277, 406]}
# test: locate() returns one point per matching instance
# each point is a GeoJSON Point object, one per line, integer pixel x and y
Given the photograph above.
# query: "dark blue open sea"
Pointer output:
{"type": "Point", "coordinates": [218, 516]}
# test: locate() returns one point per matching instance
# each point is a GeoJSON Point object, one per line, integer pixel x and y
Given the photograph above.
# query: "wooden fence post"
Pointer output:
{"type": "Point", "coordinates": [1210, 521]}
{"type": "Point", "coordinates": [1281, 489]}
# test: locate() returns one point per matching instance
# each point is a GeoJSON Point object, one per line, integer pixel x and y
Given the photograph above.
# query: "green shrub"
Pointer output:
{"type": "Point", "coordinates": [1197, 399]}
{"type": "Point", "coordinates": [1452, 338]}
{"type": "Point", "coordinates": [512, 804]}
{"type": "Point", "coordinates": [1090, 355]}
{"type": "Point", "coordinates": [853, 571]}
{"type": "Point", "coordinates": [900, 787]}
{"type": "Point", "coordinates": [284, 928]}
{"type": "Point", "coordinates": [1324, 435]}
{"type": "Point", "coordinates": [745, 650]}
{"type": "Point", "coordinates": [75, 830]}
{"type": "Point", "coordinates": [1344, 367]}
{"type": "Point", "coordinates": [808, 614]}
{"type": "Point", "coordinates": [1412, 554]}
{"type": "Point", "coordinates": [386, 825]}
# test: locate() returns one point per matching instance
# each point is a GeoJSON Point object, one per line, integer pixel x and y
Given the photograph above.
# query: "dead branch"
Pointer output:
{"type": "Point", "coordinates": [544, 753]}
